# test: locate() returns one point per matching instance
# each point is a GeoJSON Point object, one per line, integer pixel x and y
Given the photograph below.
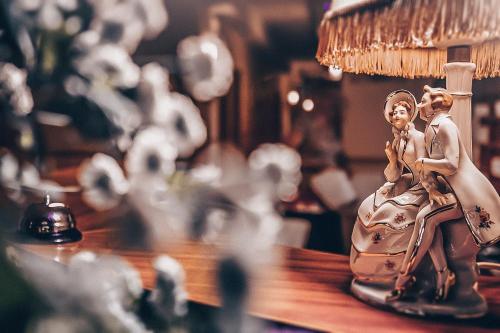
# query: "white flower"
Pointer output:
{"type": "Point", "coordinates": [269, 227]}
{"type": "Point", "coordinates": [8, 168]}
{"type": "Point", "coordinates": [30, 177]}
{"type": "Point", "coordinates": [126, 22]}
{"type": "Point", "coordinates": [14, 90]}
{"type": "Point", "coordinates": [153, 87]}
{"type": "Point", "coordinates": [107, 67]}
{"type": "Point", "coordinates": [155, 17]}
{"type": "Point", "coordinates": [280, 164]}
{"type": "Point", "coordinates": [19, 180]}
{"type": "Point", "coordinates": [103, 182]}
{"type": "Point", "coordinates": [49, 14]}
{"type": "Point", "coordinates": [61, 323]}
{"type": "Point", "coordinates": [108, 64]}
{"type": "Point", "coordinates": [86, 40]}
{"type": "Point", "coordinates": [182, 122]}
{"type": "Point", "coordinates": [207, 66]}
{"type": "Point", "coordinates": [108, 279]}
{"type": "Point", "coordinates": [107, 289]}
{"type": "Point", "coordinates": [169, 297]}
{"type": "Point", "coordinates": [166, 265]}
{"type": "Point", "coordinates": [120, 110]}
{"type": "Point", "coordinates": [83, 256]}
{"type": "Point", "coordinates": [207, 174]}
{"type": "Point", "coordinates": [151, 155]}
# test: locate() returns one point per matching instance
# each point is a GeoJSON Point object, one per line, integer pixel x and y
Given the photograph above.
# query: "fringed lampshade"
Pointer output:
{"type": "Point", "coordinates": [409, 38]}
{"type": "Point", "coordinates": [459, 39]}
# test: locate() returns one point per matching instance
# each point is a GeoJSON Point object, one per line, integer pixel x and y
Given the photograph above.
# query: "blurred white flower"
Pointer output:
{"type": "Point", "coordinates": [29, 5]}
{"type": "Point", "coordinates": [103, 182]}
{"type": "Point", "coordinates": [207, 174]}
{"type": "Point", "coordinates": [83, 256]}
{"type": "Point", "coordinates": [280, 164]}
{"type": "Point", "coordinates": [73, 25]}
{"type": "Point", "coordinates": [86, 40]}
{"type": "Point", "coordinates": [151, 156]}
{"type": "Point", "coordinates": [109, 64]}
{"type": "Point", "coordinates": [14, 90]}
{"type": "Point", "coordinates": [155, 17]}
{"type": "Point", "coordinates": [18, 180]}
{"type": "Point", "coordinates": [107, 289]}
{"type": "Point", "coordinates": [75, 86]}
{"type": "Point", "coordinates": [107, 67]}
{"type": "Point", "coordinates": [49, 14]}
{"type": "Point", "coordinates": [61, 323]}
{"type": "Point", "coordinates": [153, 87]}
{"type": "Point", "coordinates": [119, 281]}
{"type": "Point", "coordinates": [222, 165]}
{"type": "Point", "coordinates": [269, 227]}
{"type": "Point", "coordinates": [126, 22]}
{"type": "Point", "coordinates": [120, 110]}
{"type": "Point", "coordinates": [182, 122]}
{"type": "Point", "coordinates": [169, 298]}
{"type": "Point", "coordinates": [8, 168]}
{"type": "Point", "coordinates": [216, 221]}
{"type": "Point", "coordinates": [207, 66]}
{"type": "Point", "coordinates": [67, 5]}
{"type": "Point", "coordinates": [27, 179]}
{"type": "Point", "coordinates": [29, 176]}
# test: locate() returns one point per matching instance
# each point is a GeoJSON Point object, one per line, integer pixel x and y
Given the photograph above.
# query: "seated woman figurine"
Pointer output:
{"type": "Point", "coordinates": [386, 218]}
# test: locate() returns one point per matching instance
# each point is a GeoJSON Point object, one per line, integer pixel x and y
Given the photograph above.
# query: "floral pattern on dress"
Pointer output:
{"type": "Point", "coordinates": [399, 218]}
{"type": "Point", "coordinates": [377, 237]}
{"type": "Point", "coordinates": [389, 265]}
{"type": "Point", "coordinates": [479, 213]}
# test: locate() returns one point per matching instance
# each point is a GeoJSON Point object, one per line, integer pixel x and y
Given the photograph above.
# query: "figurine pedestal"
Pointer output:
{"type": "Point", "coordinates": [464, 300]}
{"type": "Point", "coordinates": [376, 295]}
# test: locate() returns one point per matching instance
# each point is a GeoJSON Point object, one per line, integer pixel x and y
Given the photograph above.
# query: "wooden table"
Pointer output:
{"type": "Point", "coordinates": [305, 288]}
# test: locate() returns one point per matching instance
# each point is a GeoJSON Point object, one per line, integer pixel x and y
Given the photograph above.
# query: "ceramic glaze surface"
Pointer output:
{"type": "Point", "coordinates": [447, 208]}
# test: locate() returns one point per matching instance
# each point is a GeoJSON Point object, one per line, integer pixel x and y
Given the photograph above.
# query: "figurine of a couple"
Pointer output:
{"type": "Point", "coordinates": [431, 182]}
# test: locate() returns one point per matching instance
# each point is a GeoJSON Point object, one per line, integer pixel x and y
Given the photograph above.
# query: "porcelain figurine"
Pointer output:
{"type": "Point", "coordinates": [405, 220]}
{"type": "Point", "coordinates": [386, 218]}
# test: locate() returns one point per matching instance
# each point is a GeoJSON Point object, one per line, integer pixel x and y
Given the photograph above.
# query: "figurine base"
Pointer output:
{"type": "Point", "coordinates": [473, 307]}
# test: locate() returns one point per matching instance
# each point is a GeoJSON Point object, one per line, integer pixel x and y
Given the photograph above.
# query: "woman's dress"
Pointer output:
{"type": "Point", "coordinates": [385, 222]}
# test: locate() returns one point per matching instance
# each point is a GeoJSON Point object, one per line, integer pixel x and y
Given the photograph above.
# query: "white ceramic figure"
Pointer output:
{"type": "Point", "coordinates": [386, 218]}
{"type": "Point", "coordinates": [462, 205]}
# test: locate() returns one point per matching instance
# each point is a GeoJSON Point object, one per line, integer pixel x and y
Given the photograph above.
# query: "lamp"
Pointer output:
{"type": "Point", "coordinates": [458, 40]}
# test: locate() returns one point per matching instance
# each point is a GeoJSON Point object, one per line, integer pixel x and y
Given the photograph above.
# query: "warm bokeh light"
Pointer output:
{"type": "Point", "coordinates": [308, 105]}
{"type": "Point", "coordinates": [293, 97]}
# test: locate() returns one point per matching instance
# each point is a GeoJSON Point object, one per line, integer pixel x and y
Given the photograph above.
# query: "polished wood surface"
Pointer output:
{"type": "Point", "coordinates": [305, 288]}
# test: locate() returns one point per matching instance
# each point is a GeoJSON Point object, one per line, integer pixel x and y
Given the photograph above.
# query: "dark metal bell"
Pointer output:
{"type": "Point", "coordinates": [50, 221]}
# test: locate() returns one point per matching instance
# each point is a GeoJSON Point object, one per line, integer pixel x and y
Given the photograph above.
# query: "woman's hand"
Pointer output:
{"type": "Point", "coordinates": [391, 154]}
